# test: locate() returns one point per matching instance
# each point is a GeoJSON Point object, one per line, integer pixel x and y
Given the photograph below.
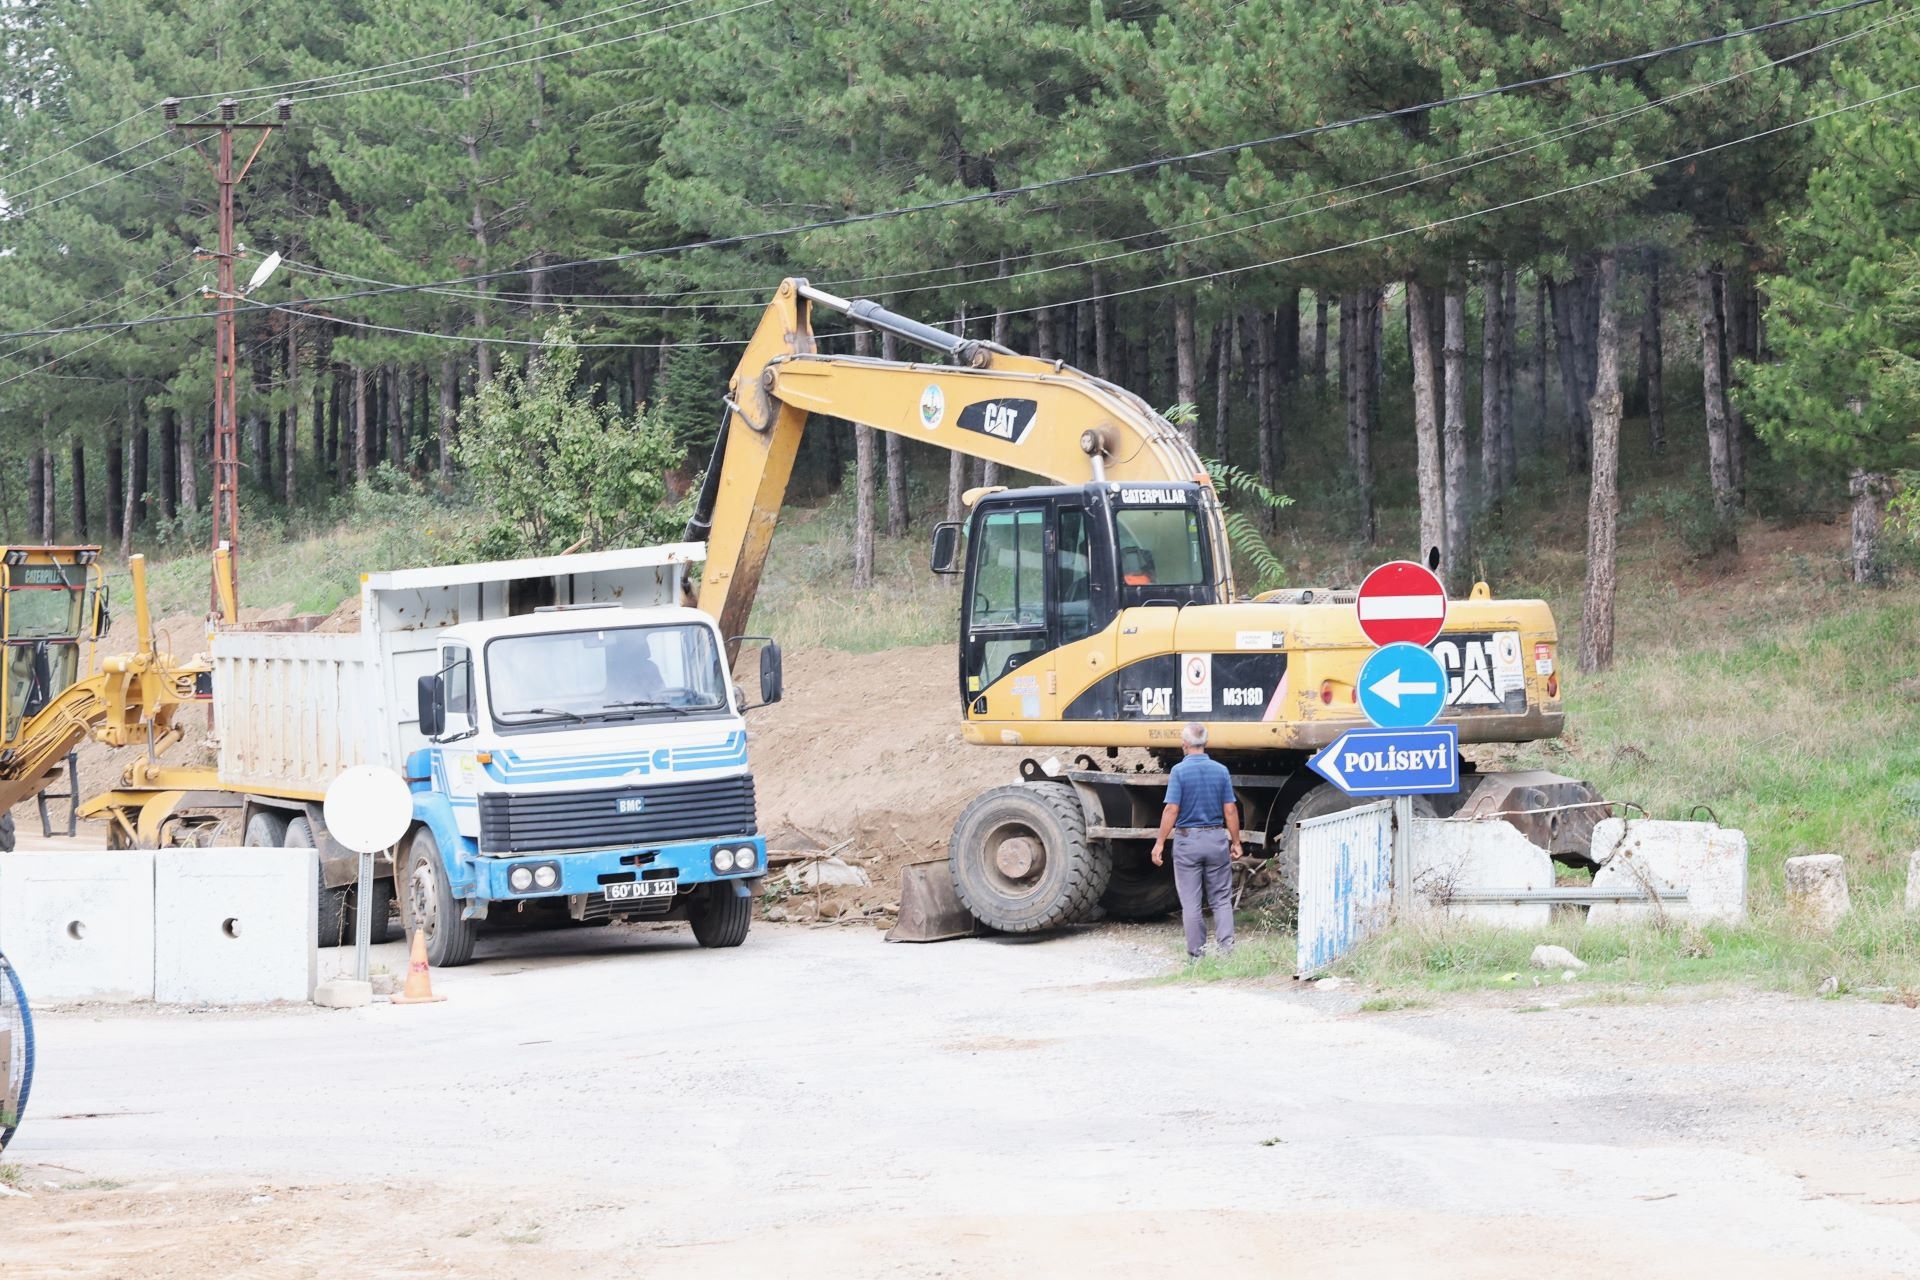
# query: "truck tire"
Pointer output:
{"type": "Point", "coordinates": [1021, 861]}
{"type": "Point", "coordinates": [8, 836]}
{"type": "Point", "coordinates": [723, 918]}
{"type": "Point", "coordinates": [268, 830]}
{"type": "Point", "coordinates": [427, 904]}
{"type": "Point", "coordinates": [336, 925]}
{"type": "Point", "coordinates": [1138, 890]}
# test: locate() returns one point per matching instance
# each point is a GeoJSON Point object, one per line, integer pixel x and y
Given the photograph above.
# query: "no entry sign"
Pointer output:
{"type": "Point", "coordinates": [1402, 603]}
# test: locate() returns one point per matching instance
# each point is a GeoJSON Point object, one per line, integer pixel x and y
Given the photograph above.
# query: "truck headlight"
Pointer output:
{"type": "Point", "coordinates": [520, 879]}
{"type": "Point", "coordinates": [723, 860]}
{"type": "Point", "coordinates": [744, 858]}
{"type": "Point", "coordinates": [546, 876]}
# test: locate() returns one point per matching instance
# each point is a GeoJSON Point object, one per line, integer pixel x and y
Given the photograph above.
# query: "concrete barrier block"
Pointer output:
{"type": "Point", "coordinates": [1709, 861]}
{"type": "Point", "coordinates": [235, 926]}
{"type": "Point", "coordinates": [1450, 857]}
{"type": "Point", "coordinates": [1817, 890]}
{"type": "Point", "coordinates": [79, 925]}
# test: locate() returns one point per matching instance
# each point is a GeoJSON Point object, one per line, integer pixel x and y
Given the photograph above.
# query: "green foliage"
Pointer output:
{"type": "Point", "coordinates": [559, 472]}
{"type": "Point", "coordinates": [688, 399]}
{"type": "Point", "coordinates": [1246, 492]}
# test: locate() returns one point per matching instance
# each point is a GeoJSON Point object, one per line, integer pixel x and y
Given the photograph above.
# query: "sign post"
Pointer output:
{"type": "Point", "coordinates": [367, 809]}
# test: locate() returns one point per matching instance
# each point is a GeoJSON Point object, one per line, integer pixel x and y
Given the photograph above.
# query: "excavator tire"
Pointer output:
{"type": "Point", "coordinates": [1139, 890]}
{"type": "Point", "coordinates": [1021, 861]}
{"type": "Point", "coordinates": [8, 837]}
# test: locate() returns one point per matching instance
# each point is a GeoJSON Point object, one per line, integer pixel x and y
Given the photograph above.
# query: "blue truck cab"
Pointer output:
{"type": "Point", "coordinates": [584, 763]}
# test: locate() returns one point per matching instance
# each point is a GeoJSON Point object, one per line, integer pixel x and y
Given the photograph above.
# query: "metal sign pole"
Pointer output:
{"type": "Point", "coordinates": [363, 917]}
{"type": "Point", "coordinates": [1402, 853]}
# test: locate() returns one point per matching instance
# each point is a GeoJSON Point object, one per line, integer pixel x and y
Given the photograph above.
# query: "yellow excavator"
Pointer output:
{"type": "Point", "coordinates": [53, 611]}
{"type": "Point", "coordinates": [1100, 613]}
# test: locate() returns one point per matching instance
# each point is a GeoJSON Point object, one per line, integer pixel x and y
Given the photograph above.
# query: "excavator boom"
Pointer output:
{"type": "Point", "coordinates": [1042, 417]}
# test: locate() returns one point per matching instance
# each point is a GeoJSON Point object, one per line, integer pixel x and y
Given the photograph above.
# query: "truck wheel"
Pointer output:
{"type": "Point", "coordinates": [1021, 861]}
{"type": "Point", "coordinates": [427, 903]}
{"type": "Point", "coordinates": [336, 925]}
{"type": "Point", "coordinates": [268, 830]}
{"type": "Point", "coordinates": [722, 920]}
{"type": "Point", "coordinates": [8, 836]}
{"type": "Point", "coordinates": [1139, 890]}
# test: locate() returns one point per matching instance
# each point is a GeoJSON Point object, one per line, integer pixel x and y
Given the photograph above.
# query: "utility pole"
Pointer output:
{"type": "Point", "coordinates": [226, 435]}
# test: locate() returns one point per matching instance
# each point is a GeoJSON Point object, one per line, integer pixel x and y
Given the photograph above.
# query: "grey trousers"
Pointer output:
{"type": "Point", "coordinates": [1203, 870]}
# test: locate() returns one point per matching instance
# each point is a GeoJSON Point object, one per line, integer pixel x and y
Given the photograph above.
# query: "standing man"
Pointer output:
{"type": "Point", "coordinates": [1204, 820]}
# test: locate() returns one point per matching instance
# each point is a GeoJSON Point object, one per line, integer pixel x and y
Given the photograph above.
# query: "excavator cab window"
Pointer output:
{"type": "Point", "coordinates": [1162, 553]}
{"type": "Point", "coordinates": [47, 606]}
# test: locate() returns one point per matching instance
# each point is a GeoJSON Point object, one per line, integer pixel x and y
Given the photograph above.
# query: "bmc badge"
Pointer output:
{"type": "Point", "coordinates": [629, 804]}
{"type": "Point", "coordinates": [933, 406]}
{"type": "Point", "coordinates": [1008, 420]}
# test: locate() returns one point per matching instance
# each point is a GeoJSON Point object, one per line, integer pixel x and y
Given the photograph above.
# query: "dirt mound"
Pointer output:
{"type": "Point", "coordinates": [865, 757]}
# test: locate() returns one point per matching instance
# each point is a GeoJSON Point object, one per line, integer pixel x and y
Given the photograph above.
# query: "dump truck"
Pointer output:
{"type": "Point", "coordinates": [1099, 613]}
{"type": "Point", "coordinates": [574, 746]}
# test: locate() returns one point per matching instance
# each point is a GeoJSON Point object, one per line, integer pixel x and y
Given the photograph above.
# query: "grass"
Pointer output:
{"type": "Point", "coordinates": [10, 1176]}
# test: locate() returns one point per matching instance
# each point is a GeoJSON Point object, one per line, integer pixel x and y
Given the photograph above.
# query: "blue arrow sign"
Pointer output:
{"type": "Point", "coordinates": [1402, 686]}
{"type": "Point", "coordinates": [1392, 762]}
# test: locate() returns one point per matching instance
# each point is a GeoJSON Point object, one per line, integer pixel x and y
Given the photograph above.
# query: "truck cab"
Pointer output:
{"type": "Point", "coordinates": [583, 764]}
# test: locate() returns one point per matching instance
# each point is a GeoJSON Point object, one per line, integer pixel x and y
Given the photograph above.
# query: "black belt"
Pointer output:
{"type": "Point", "coordinates": [1214, 827]}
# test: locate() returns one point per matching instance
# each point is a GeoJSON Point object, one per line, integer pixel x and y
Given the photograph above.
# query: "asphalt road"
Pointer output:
{"type": "Point", "coordinates": [821, 1103]}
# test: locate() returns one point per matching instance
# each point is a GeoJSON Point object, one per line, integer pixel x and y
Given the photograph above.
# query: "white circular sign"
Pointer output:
{"type": "Point", "coordinates": [368, 808]}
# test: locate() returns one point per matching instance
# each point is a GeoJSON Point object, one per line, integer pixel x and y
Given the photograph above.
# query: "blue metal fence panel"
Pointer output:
{"type": "Point", "coordinates": [1346, 882]}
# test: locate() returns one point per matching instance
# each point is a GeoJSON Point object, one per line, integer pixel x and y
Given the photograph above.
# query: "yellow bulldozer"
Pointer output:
{"type": "Point", "coordinates": [1099, 612]}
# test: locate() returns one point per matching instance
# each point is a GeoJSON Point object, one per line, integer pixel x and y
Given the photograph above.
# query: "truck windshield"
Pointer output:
{"type": "Point", "coordinates": [570, 677]}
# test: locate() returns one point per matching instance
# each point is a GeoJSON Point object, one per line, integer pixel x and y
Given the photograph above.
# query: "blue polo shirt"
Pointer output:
{"type": "Point", "coordinates": [1203, 788]}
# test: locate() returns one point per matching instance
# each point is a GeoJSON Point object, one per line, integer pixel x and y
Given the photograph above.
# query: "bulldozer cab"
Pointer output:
{"type": "Point", "coordinates": [52, 601]}
{"type": "Point", "coordinates": [1047, 567]}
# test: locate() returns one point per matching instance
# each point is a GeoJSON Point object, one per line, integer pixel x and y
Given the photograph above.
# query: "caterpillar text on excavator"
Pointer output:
{"type": "Point", "coordinates": [1099, 612]}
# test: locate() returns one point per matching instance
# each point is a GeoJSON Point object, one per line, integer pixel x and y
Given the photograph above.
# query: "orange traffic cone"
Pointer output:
{"type": "Point", "coordinates": [419, 988]}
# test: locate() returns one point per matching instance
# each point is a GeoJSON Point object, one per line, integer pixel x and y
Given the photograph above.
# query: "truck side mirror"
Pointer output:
{"type": "Point", "coordinates": [771, 676]}
{"type": "Point", "coordinates": [433, 706]}
{"type": "Point", "coordinates": [946, 547]}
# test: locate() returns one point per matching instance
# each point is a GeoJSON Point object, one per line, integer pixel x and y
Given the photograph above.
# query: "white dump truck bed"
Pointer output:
{"type": "Point", "coordinates": [293, 709]}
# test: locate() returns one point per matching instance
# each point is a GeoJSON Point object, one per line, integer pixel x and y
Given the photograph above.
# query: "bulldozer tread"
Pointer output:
{"type": "Point", "coordinates": [1071, 881]}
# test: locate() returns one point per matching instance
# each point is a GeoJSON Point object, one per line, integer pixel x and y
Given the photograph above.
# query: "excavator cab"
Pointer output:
{"type": "Point", "coordinates": [1050, 567]}
{"type": "Point", "coordinates": [52, 601]}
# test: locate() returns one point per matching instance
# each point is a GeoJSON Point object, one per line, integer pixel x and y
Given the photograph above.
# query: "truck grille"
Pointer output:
{"type": "Point", "coordinates": [540, 822]}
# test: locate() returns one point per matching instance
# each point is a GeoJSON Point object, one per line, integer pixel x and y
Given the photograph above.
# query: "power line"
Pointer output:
{"type": "Point", "coordinates": [1050, 184]}
{"type": "Point", "coordinates": [978, 197]}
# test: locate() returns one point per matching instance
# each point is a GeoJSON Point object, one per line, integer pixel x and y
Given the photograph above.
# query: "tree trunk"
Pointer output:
{"type": "Point", "coordinates": [956, 461]}
{"type": "Point", "coordinates": [37, 498]}
{"type": "Point", "coordinates": [1266, 367]}
{"type": "Point", "coordinates": [116, 495]}
{"type": "Point", "coordinates": [1652, 373]}
{"type": "Point", "coordinates": [1509, 435]}
{"type": "Point", "coordinates": [896, 453]}
{"type": "Point", "coordinates": [443, 444]}
{"type": "Point", "coordinates": [1320, 335]}
{"type": "Point", "coordinates": [1869, 490]}
{"type": "Point", "coordinates": [400, 404]}
{"type": "Point", "coordinates": [81, 529]}
{"type": "Point", "coordinates": [863, 479]}
{"type": "Point", "coordinates": [353, 452]}
{"type": "Point", "coordinates": [1731, 296]}
{"type": "Point", "coordinates": [1455, 556]}
{"type": "Point", "coordinates": [1102, 327]}
{"type": "Point", "coordinates": [1719, 444]}
{"type": "Point", "coordinates": [1356, 313]}
{"type": "Point", "coordinates": [1222, 383]}
{"type": "Point", "coordinates": [137, 486]}
{"type": "Point", "coordinates": [1539, 363]}
{"type": "Point", "coordinates": [290, 432]}
{"type": "Point", "coordinates": [1492, 342]}
{"type": "Point", "coordinates": [1603, 496]}
{"type": "Point", "coordinates": [189, 455]}
{"type": "Point", "coordinates": [1426, 424]}
{"type": "Point", "coordinates": [1187, 365]}
{"type": "Point", "coordinates": [1567, 322]}
{"type": "Point", "coordinates": [1286, 337]}
{"type": "Point", "coordinates": [169, 462]}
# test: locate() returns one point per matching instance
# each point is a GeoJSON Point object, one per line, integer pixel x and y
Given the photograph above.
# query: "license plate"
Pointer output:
{"type": "Point", "coordinates": [638, 889]}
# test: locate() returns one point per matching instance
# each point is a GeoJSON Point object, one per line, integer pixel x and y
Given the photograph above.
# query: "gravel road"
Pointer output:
{"type": "Point", "coordinates": [821, 1104]}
